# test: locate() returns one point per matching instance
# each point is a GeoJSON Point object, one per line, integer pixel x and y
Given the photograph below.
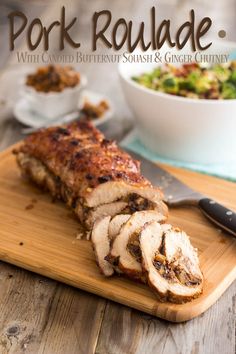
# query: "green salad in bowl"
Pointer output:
{"type": "Point", "coordinates": [192, 80]}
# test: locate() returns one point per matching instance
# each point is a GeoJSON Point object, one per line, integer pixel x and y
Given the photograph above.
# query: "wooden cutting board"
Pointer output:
{"type": "Point", "coordinates": [39, 235]}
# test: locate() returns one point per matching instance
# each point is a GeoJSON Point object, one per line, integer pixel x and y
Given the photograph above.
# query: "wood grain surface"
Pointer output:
{"type": "Point", "coordinates": [40, 236]}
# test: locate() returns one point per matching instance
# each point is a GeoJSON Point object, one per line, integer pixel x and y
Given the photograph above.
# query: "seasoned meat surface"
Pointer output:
{"type": "Point", "coordinates": [81, 151]}
{"type": "Point", "coordinates": [170, 262]}
{"type": "Point", "coordinates": [83, 159]}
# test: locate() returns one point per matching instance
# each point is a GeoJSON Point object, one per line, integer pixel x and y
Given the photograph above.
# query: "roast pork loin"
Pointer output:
{"type": "Point", "coordinates": [170, 262]}
{"type": "Point", "coordinates": [90, 173]}
{"type": "Point", "coordinates": [120, 207]}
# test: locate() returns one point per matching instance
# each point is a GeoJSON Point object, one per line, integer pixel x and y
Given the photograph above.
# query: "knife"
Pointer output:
{"type": "Point", "coordinates": [177, 193]}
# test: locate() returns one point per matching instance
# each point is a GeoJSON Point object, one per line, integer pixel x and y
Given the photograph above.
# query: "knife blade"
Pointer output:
{"type": "Point", "coordinates": [177, 193]}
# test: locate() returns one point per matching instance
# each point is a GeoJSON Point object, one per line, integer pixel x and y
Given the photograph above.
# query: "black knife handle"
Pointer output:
{"type": "Point", "coordinates": [220, 215]}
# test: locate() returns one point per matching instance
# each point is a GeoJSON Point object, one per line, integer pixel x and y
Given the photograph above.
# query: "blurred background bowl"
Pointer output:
{"type": "Point", "coordinates": [183, 129]}
{"type": "Point", "coordinates": [51, 105]}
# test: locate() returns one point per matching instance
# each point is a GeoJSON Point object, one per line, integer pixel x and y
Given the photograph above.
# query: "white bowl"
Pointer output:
{"type": "Point", "coordinates": [183, 129]}
{"type": "Point", "coordinates": [54, 104]}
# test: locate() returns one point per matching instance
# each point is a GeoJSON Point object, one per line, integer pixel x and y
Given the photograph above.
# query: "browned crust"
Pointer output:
{"type": "Point", "coordinates": [81, 156]}
{"type": "Point", "coordinates": [176, 299]}
{"type": "Point", "coordinates": [169, 296]}
{"type": "Point", "coordinates": [98, 264]}
{"type": "Point", "coordinates": [133, 274]}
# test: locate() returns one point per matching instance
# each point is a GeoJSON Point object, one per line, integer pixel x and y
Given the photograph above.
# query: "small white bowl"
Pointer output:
{"type": "Point", "coordinates": [183, 129]}
{"type": "Point", "coordinates": [54, 104]}
{"type": "Point", "coordinates": [24, 114]}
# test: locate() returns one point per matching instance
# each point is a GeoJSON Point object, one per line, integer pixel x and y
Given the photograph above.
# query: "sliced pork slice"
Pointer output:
{"type": "Point", "coordinates": [101, 245]}
{"type": "Point", "coordinates": [111, 191]}
{"type": "Point", "coordinates": [116, 224]}
{"type": "Point", "coordinates": [132, 204]}
{"type": "Point", "coordinates": [110, 209]}
{"type": "Point", "coordinates": [103, 233]}
{"type": "Point", "coordinates": [125, 251]}
{"type": "Point", "coordinates": [179, 252]}
{"type": "Point", "coordinates": [171, 263]}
